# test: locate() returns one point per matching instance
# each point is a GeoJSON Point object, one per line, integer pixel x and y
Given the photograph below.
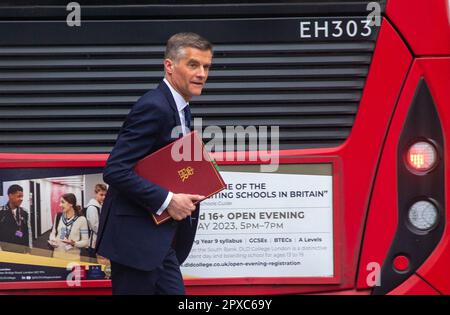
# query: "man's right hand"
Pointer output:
{"type": "Point", "coordinates": [182, 205]}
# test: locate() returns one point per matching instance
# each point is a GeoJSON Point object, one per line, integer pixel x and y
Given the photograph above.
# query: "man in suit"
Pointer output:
{"type": "Point", "coordinates": [145, 258]}
{"type": "Point", "coordinates": [14, 224]}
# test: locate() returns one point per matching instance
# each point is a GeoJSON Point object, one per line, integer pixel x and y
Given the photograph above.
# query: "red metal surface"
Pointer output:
{"type": "Point", "coordinates": [414, 286]}
{"type": "Point", "coordinates": [345, 292]}
{"type": "Point", "coordinates": [425, 25]}
{"type": "Point", "coordinates": [382, 221]}
{"type": "Point", "coordinates": [418, 22]}
{"type": "Point", "coordinates": [436, 269]}
{"type": "Point", "coordinates": [87, 287]}
{"type": "Point", "coordinates": [53, 284]}
{"type": "Point", "coordinates": [382, 216]}
{"type": "Point", "coordinates": [13, 160]}
{"type": "Point", "coordinates": [362, 150]}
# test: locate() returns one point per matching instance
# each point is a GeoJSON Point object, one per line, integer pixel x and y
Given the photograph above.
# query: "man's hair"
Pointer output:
{"type": "Point", "coordinates": [100, 187]}
{"type": "Point", "coordinates": [177, 43]}
{"type": "Point", "coordinates": [14, 188]}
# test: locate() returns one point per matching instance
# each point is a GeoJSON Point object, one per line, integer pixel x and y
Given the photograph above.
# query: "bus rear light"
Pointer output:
{"type": "Point", "coordinates": [420, 191]}
{"type": "Point", "coordinates": [421, 157]}
{"type": "Point", "coordinates": [423, 215]}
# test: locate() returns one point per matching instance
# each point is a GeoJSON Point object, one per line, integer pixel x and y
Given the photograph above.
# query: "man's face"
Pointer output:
{"type": "Point", "coordinates": [188, 74]}
{"type": "Point", "coordinates": [15, 199]}
{"type": "Point", "coordinates": [100, 196]}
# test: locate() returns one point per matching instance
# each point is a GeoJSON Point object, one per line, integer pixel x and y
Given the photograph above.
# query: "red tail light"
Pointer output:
{"type": "Point", "coordinates": [421, 157]}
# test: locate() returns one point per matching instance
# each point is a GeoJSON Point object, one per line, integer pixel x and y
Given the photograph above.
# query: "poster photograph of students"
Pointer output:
{"type": "Point", "coordinates": [49, 225]}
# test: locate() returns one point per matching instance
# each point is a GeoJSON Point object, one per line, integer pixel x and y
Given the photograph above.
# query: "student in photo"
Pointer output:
{"type": "Point", "coordinates": [70, 230]}
{"type": "Point", "coordinates": [14, 223]}
{"type": "Point", "coordinates": [93, 214]}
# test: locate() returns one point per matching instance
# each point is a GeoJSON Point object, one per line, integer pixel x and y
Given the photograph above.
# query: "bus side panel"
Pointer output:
{"type": "Point", "coordinates": [391, 61]}
{"type": "Point", "coordinates": [414, 286]}
{"type": "Point", "coordinates": [436, 269]}
{"type": "Point", "coordinates": [424, 24]}
{"type": "Point", "coordinates": [381, 219]}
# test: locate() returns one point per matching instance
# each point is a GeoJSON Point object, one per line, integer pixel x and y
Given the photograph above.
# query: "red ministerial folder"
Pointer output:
{"type": "Point", "coordinates": [183, 166]}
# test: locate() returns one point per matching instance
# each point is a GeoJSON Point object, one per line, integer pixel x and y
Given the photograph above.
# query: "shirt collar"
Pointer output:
{"type": "Point", "coordinates": [7, 207]}
{"type": "Point", "coordinates": [179, 100]}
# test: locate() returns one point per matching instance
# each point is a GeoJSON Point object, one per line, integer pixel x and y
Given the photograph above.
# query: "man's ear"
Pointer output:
{"type": "Point", "coordinates": [168, 66]}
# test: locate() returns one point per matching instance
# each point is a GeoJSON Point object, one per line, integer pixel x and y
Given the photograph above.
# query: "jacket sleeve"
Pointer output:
{"type": "Point", "coordinates": [83, 241]}
{"type": "Point", "coordinates": [136, 139]}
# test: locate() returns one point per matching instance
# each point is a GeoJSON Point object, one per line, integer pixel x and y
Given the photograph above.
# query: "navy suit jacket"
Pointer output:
{"type": "Point", "coordinates": [127, 233]}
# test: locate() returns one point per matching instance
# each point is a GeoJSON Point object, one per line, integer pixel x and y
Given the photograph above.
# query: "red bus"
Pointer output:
{"type": "Point", "coordinates": [362, 106]}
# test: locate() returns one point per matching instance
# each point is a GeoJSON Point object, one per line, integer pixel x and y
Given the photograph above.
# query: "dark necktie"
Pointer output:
{"type": "Point", "coordinates": [187, 120]}
{"type": "Point", "coordinates": [187, 117]}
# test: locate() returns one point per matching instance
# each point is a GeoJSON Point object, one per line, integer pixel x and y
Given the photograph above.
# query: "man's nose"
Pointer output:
{"type": "Point", "coordinates": [201, 72]}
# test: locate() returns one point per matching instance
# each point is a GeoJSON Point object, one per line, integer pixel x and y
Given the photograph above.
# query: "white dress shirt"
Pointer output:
{"type": "Point", "coordinates": [181, 104]}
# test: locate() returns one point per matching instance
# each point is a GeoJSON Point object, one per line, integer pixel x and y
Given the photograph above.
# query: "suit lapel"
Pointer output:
{"type": "Point", "coordinates": [166, 91]}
